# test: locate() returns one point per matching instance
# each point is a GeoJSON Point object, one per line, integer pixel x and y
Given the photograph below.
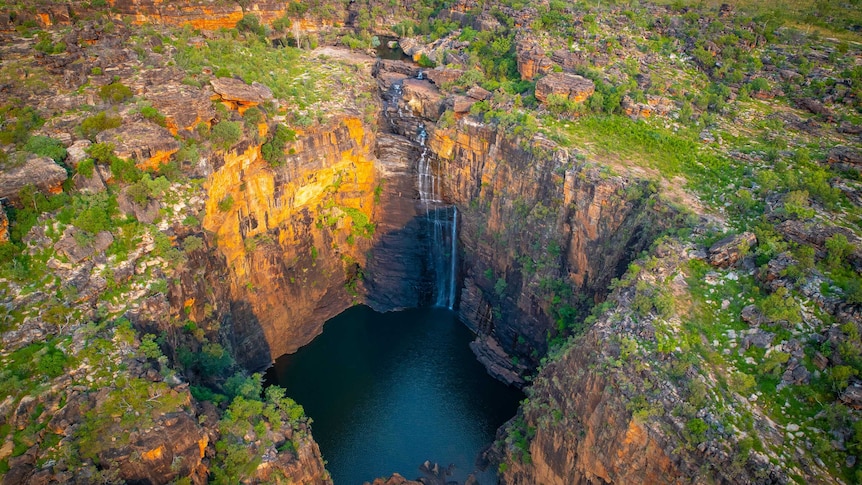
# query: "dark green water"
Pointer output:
{"type": "Point", "coordinates": [392, 53]}
{"type": "Point", "coordinates": [389, 391]}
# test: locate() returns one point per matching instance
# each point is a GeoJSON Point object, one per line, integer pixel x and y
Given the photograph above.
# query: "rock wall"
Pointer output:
{"type": "Point", "coordinates": [610, 408]}
{"type": "Point", "coordinates": [297, 244]}
{"type": "Point", "coordinates": [586, 435]}
{"type": "Point", "coordinates": [542, 235]}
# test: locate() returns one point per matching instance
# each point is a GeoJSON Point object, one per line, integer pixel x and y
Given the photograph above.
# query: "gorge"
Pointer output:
{"type": "Point", "coordinates": [642, 220]}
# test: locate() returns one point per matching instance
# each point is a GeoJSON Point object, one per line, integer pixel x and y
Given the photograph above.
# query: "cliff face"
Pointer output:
{"type": "Point", "coordinates": [292, 237]}
{"type": "Point", "coordinates": [296, 244]}
{"type": "Point", "coordinates": [629, 402]}
{"type": "Point", "coordinates": [541, 233]}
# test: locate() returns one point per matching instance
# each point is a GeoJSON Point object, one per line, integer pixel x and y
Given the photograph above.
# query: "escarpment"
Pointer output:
{"type": "Point", "coordinates": [542, 233]}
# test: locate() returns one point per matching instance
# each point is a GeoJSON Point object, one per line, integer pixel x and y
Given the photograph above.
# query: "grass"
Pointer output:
{"type": "Point", "coordinates": [283, 70]}
{"type": "Point", "coordinates": [647, 145]}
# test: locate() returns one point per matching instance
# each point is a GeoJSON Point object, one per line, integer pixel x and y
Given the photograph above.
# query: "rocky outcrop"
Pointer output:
{"type": "Point", "coordinates": [845, 158]}
{"type": "Point", "coordinates": [148, 144]}
{"type": "Point", "coordinates": [40, 172]}
{"type": "Point", "coordinates": [654, 105]}
{"type": "Point", "coordinates": [539, 235]}
{"type": "Point", "coordinates": [531, 58]}
{"type": "Point", "coordinates": [236, 94]}
{"type": "Point", "coordinates": [568, 86]}
{"type": "Point", "coordinates": [4, 226]}
{"type": "Point", "coordinates": [441, 76]}
{"type": "Point", "coordinates": [182, 106]}
{"type": "Point", "coordinates": [601, 410]}
{"type": "Point", "coordinates": [78, 246]}
{"type": "Point", "coordinates": [729, 250]}
{"type": "Point", "coordinates": [423, 98]}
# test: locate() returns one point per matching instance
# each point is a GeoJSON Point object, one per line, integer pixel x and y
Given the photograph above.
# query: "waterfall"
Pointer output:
{"type": "Point", "coordinates": [453, 257]}
{"type": "Point", "coordinates": [442, 221]}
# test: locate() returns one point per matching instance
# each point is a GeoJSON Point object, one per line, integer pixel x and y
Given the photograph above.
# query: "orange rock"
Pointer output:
{"type": "Point", "coordinates": [154, 454]}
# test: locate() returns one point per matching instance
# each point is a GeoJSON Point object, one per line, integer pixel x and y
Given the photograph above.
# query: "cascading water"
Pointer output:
{"type": "Point", "coordinates": [441, 218]}
{"type": "Point", "coordinates": [442, 222]}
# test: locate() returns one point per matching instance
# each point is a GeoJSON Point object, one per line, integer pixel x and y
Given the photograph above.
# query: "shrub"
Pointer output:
{"type": "Point", "coordinates": [125, 170]}
{"type": "Point", "coordinates": [796, 204]}
{"type": "Point", "coordinates": [97, 213]}
{"type": "Point", "coordinates": [53, 362]}
{"type": "Point", "coordinates": [86, 167]}
{"type": "Point", "coordinates": [425, 61]}
{"type": "Point", "coordinates": [226, 204]}
{"type": "Point", "coordinates": [25, 120]}
{"type": "Point", "coordinates": [153, 115]}
{"type": "Point", "coordinates": [837, 250]}
{"type": "Point", "coordinates": [192, 243]}
{"type": "Point", "coordinates": [251, 23]}
{"type": "Point", "coordinates": [696, 430]}
{"type": "Point", "coordinates": [46, 147]}
{"type": "Point", "coordinates": [116, 92]}
{"type": "Point", "coordinates": [46, 46]}
{"type": "Point", "coordinates": [273, 150]}
{"type": "Point", "coordinates": [781, 305]}
{"type": "Point", "coordinates": [226, 134]}
{"type": "Point", "coordinates": [98, 123]}
{"type": "Point", "coordinates": [139, 192]}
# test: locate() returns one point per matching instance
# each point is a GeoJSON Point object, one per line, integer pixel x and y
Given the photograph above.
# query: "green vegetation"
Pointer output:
{"type": "Point", "coordinates": [226, 134]}
{"type": "Point", "coordinates": [153, 115]}
{"type": "Point", "coordinates": [98, 123]}
{"type": "Point", "coordinates": [46, 147]}
{"type": "Point", "coordinates": [115, 92]}
{"type": "Point", "coordinates": [273, 150]}
{"type": "Point", "coordinates": [289, 77]}
{"type": "Point", "coordinates": [226, 203]}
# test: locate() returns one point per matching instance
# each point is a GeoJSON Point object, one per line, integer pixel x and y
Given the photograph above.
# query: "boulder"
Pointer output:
{"type": "Point", "coordinates": [797, 374]}
{"type": "Point", "coordinates": [758, 338]}
{"type": "Point", "coordinates": [752, 315]}
{"type": "Point", "coordinates": [816, 107]}
{"type": "Point", "coordinates": [146, 212]}
{"type": "Point", "coordinates": [479, 93]}
{"type": "Point", "coordinates": [237, 92]}
{"type": "Point", "coordinates": [845, 157]}
{"type": "Point", "coordinates": [654, 105]}
{"type": "Point", "coordinates": [729, 250]}
{"type": "Point", "coordinates": [147, 143]}
{"type": "Point", "coordinates": [73, 244]}
{"type": "Point", "coordinates": [41, 172]}
{"type": "Point", "coordinates": [77, 152]}
{"type": "Point", "coordinates": [395, 479]}
{"type": "Point", "coordinates": [183, 106]}
{"type": "Point", "coordinates": [531, 58]}
{"type": "Point", "coordinates": [91, 185]}
{"type": "Point", "coordinates": [442, 76]}
{"type": "Point", "coordinates": [852, 396]}
{"type": "Point", "coordinates": [398, 67]}
{"type": "Point", "coordinates": [570, 86]}
{"type": "Point", "coordinates": [423, 98]}
{"type": "Point", "coordinates": [462, 104]}
{"type": "Point", "coordinates": [388, 79]}
{"type": "Point", "coordinates": [569, 60]}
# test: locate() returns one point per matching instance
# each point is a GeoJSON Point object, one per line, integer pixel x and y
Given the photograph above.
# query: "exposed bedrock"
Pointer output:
{"type": "Point", "coordinates": [541, 233]}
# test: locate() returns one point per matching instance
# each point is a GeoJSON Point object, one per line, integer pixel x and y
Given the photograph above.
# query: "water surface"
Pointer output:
{"type": "Point", "coordinates": [389, 391]}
